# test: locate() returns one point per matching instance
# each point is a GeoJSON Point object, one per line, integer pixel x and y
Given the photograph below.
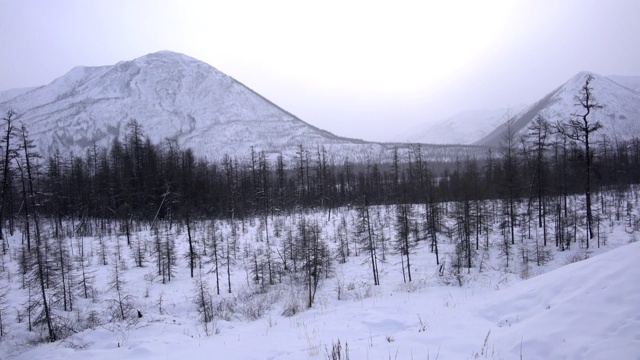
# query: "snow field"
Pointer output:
{"type": "Point", "coordinates": [584, 310]}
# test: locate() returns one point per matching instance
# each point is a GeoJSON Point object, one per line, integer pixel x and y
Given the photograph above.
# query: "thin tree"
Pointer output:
{"type": "Point", "coordinates": [120, 305]}
{"type": "Point", "coordinates": [202, 299]}
{"type": "Point", "coordinates": [581, 128]}
{"type": "Point", "coordinates": [510, 175]}
{"type": "Point", "coordinates": [402, 244]}
{"type": "Point", "coordinates": [539, 132]}
{"type": "Point", "coordinates": [3, 310]}
{"type": "Point", "coordinates": [367, 238]}
{"type": "Point", "coordinates": [215, 253]}
{"type": "Point", "coordinates": [40, 268]}
{"type": "Point", "coordinates": [231, 245]}
{"type": "Point", "coordinates": [9, 154]}
{"type": "Point", "coordinates": [192, 252]}
{"type": "Point", "coordinates": [86, 279]}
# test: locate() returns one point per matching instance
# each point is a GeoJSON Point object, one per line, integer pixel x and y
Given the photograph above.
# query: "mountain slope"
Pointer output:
{"type": "Point", "coordinates": [620, 115]}
{"type": "Point", "coordinates": [632, 82]}
{"type": "Point", "coordinates": [7, 95]}
{"type": "Point", "coordinates": [462, 128]}
{"type": "Point", "coordinates": [172, 96]}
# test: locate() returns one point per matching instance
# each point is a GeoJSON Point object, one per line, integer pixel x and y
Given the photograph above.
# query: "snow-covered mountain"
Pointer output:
{"type": "Point", "coordinates": [172, 96]}
{"type": "Point", "coordinates": [462, 128]}
{"type": "Point", "coordinates": [620, 96]}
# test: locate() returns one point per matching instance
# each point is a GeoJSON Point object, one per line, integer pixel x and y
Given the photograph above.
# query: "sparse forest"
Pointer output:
{"type": "Point", "coordinates": [138, 181]}
{"type": "Point", "coordinates": [260, 232]}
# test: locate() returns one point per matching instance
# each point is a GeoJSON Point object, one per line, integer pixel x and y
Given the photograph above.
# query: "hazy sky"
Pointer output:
{"type": "Point", "coordinates": [367, 69]}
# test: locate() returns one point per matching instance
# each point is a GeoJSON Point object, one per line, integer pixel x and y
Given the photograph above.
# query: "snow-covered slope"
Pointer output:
{"type": "Point", "coordinates": [618, 94]}
{"type": "Point", "coordinates": [580, 311]}
{"type": "Point", "coordinates": [6, 95]}
{"type": "Point", "coordinates": [172, 96]}
{"type": "Point", "coordinates": [632, 82]}
{"type": "Point", "coordinates": [463, 128]}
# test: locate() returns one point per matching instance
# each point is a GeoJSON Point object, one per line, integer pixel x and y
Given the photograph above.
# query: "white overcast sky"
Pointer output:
{"type": "Point", "coordinates": [364, 69]}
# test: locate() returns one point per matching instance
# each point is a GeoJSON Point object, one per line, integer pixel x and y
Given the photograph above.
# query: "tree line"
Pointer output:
{"type": "Point", "coordinates": [136, 179]}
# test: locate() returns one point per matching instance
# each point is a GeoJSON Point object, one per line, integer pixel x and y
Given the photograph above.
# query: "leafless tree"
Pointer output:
{"type": "Point", "coordinates": [580, 128]}
{"type": "Point", "coordinates": [9, 153]}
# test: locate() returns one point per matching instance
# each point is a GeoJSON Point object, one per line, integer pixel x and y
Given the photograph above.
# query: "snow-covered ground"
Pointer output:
{"type": "Point", "coordinates": [588, 309]}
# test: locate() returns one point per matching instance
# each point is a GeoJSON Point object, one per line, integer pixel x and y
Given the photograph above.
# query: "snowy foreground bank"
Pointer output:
{"type": "Point", "coordinates": [585, 310]}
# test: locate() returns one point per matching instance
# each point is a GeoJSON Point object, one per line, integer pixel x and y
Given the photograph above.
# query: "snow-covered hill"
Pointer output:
{"type": "Point", "coordinates": [463, 128]}
{"type": "Point", "coordinates": [172, 96]}
{"type": "Point", "coordinates": [620, 96]}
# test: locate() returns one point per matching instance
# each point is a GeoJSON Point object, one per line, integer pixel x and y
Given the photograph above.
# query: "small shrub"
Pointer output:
{"type": "Point", "coordinates": [577, 256]}
{"type": "Point", "coordinates": [292, 305]}
{"type": "Point", "coordinates": [225, 309]}
{"type": "Point", "coordinates": [336, 352]}
{"type": "Point", "coordinates": [390, 338]}
{"type": "Point", "coordinates": [254, 305]}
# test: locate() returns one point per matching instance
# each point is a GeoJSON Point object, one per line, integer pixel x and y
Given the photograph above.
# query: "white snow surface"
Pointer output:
{"type": "Point", "coordinates": [584, 310]}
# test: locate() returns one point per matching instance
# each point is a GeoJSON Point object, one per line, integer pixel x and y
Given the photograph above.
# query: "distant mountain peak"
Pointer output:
{"type": "Point", "coordinates": [165, 53]}
{"type": "Point", "coordinates": [619, 115]}
{"type": "Point", "coordinates": [166, 57]}
{"type": "Point", "coordinates": [584, 73]}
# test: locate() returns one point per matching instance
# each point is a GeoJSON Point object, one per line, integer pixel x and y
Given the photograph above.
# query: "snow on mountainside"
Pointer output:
{"type": "Point", "coordinates": [632, 82]}
{"type": "Point", "coordinates": [463, 128]}
{"type": "Point", "coordinates": [618, 94]}
{"type": "Point", "coordinates": [6, 95]}
{"type": "Point", "coordinates": [172, 96]}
